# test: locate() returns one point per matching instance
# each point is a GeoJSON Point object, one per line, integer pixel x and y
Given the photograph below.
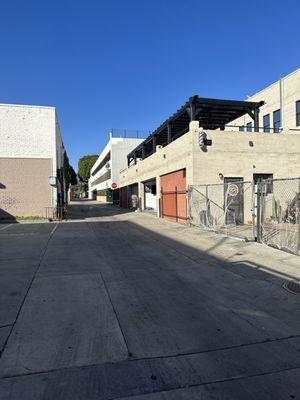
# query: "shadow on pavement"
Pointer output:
{"type": "Point", "coordinates": [84, 209]}
{"type": "Point", "coordinates": [118, 310]}
{"type": "Point", "coordinates": [6, 217]}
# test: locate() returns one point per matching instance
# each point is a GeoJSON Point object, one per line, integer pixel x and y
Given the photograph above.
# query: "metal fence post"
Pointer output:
{"type": "Point", "coordinates": [162, 203]}
{"type": "Point", "coordinates": [298, 239]}
{"type": "Point", "coordinates": [207, 206]}
{"type": "Point", "coordinates": [258, 212]}
{"type": "Point", "coordinates": [189, 211]}
{"type": "Point", "coordinates": [176, 205]}
{"type": "Point", "coordinates": [253, 211]}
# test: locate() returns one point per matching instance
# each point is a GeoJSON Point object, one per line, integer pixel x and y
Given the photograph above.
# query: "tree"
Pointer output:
{"type": "Point", "coordinates": [85, 164]}
{"type": "Point", "coordinates": [70, 174]}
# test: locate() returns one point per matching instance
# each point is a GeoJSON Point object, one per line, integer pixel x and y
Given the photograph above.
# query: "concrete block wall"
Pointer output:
{"type": "Point", "coordinates": [242, 154]}
{"type": "Point", "coordinates": [177, 155]}
{"type": "Point", "coordinates": [232, 154]}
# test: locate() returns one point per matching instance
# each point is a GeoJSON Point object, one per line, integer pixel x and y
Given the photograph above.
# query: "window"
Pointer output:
{"type": "Point", "coordinates": [264, 177]}
{"type": "Point", "coordinates": [266, 120]}
{"type": "Point", "coordinates": [276, 121]}
{"type": "Point", "coordinates": [298, 113]}
{"type": "Point", "coordinates": [249, 127]}
{"type": "Point", "coordinates": [242, 128]}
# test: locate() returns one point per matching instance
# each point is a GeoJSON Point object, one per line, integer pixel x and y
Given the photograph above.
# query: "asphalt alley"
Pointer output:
{"type": "Point", "coordinates": [120, 305]}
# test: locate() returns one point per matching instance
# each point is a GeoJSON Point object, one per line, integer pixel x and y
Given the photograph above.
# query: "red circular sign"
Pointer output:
{"type": "Point", "coordinates": [114, 185]}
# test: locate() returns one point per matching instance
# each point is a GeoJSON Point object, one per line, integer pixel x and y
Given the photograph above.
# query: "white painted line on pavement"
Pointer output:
{"type": "Point", "coordinates": [53, 230]}
{"type": "Point", "coordinates": [6, 226]}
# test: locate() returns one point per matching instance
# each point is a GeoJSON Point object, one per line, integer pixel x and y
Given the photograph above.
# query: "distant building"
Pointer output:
{"type": "Point", "coordinates": [105, 173]}
{"type": "Point", "coordinates": [281, 110]}
{"type": "Point", "coordinates": [32, 179]}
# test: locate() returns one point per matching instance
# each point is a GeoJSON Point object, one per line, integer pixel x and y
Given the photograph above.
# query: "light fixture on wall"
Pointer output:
{"type": "Point", "coordinates": [53, 181]}
{"type": "Point", "coordinates": [221, 176]}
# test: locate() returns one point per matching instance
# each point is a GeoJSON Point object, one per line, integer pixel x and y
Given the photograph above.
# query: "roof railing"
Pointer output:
{"type": "Point", "coordinates": [264, 129]}
{"type": "Point", "coordinates": [129, 133]}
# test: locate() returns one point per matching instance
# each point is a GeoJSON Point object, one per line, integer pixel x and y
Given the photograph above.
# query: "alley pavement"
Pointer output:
{"type": "Point", "coordinates": [113, 304]}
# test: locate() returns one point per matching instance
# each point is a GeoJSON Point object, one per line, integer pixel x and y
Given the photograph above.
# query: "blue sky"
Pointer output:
{"type": "Point", "coordinates": [131, 64]}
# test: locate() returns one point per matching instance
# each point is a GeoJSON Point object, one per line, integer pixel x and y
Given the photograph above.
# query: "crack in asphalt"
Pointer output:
{"type": "Point", "coordinates": [212, 382]}
{"type": "Point", "coordinates": [29, 287]}
{"type": "Point", "coordinates": [135, 359]}
{"type": "Point", "coordinates": [109, 296]}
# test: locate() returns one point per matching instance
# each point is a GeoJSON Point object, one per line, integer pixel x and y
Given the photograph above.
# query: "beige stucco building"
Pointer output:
{"type": "Point", "coordinates": [32, 181]}
{"type": "Point", "coordinates": [174, 157]}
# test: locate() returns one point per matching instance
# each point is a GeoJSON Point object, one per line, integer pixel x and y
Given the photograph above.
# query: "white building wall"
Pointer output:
{"type": "Point", "coordinates": [31, 133]}
{"type": "Point", "coordinates": [103, 154]}
{"type": "Point", "coordinates": [27, 131]}
{"type": "Point", "coordinates": [118, 148]}
{"type": "Point", "coordinates": [105, 184]}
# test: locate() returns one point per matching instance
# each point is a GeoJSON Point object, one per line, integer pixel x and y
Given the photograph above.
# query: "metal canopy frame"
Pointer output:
{"type": "Point", "coordinates": [211, 114]}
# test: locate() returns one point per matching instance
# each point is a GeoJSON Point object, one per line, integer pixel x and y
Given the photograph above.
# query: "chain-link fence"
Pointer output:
{"type": "Point", "coordinates": [278, 217]}
{"type": "Point", "coordinates": [225, 208]}
{"type": "Point", "coordinates": [266, 211]}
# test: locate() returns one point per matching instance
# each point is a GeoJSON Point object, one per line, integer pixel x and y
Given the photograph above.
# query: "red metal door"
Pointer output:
{"type": "Point", "coordinates": [173, 200]}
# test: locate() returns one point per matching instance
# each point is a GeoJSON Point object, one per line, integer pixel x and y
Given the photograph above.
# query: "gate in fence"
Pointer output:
{"type": "Point", "coordinates": [267, 211]}
{"type": "Point", "coordinates": [173, 205]}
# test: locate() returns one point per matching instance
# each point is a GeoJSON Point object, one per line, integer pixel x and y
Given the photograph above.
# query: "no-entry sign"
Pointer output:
{"type": "Point", "coordinates": [114, 185]}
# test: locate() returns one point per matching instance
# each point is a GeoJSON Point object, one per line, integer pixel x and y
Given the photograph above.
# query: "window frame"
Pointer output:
{"type": "Point", "coordinates": [249, 127]}
{"type": "Point", "coordinates": [265, 177]}
{"type": "Point", "coordinates": [267, 127]}
{"type": "Point", "coordinates": [275, 122]}
{"type": "Point", "coordinates": [298, 113]}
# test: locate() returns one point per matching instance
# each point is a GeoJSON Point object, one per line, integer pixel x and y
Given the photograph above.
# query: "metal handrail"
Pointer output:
{"type": "Point", "coordinates": [264, 129]}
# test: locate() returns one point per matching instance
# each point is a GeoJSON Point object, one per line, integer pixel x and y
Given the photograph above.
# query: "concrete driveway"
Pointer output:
{"type": "Point", "coordinates": [119, 305]}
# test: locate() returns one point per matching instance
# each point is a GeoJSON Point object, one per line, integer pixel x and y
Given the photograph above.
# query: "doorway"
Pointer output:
{"type": "Point", "coordinates": [150, 195]}
{"type": "Point", "coordinates": [234, 200]}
